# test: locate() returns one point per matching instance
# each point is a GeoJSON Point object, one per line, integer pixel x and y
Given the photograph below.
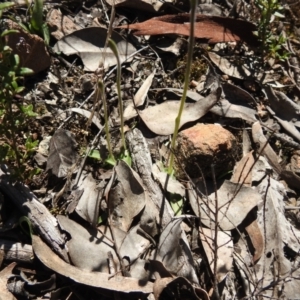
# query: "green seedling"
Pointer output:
{"type": "Point", "coordinates": [101, 93]}
{"type": "Point", "coordinates": [271, 46]}
{"type": "Point", "coordinates": [124, 153]}
{"type": "Point", "coordinates": [14, 115]}
{"type": "Point", "coordinates": [194, 4]}
{"type": "Point", "coordinates": [36, 21]}
{"type": "Point", "coordinates": [5, 5]}
{"type": "Point", "coordinates": [95, 154]}
{"type": "Point", "coordinates": [176, 202]}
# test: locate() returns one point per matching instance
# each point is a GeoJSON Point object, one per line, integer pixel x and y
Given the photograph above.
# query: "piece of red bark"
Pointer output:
{"type": "Point", "coordinates": [213, 29]}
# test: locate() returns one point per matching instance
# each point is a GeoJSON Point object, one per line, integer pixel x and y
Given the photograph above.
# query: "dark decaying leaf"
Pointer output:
{"type": "Point", "coordinates": [22, 286]}
{"type": "Point", "coordinates": [213, 29]}
{"type": "Point", "coordinates": [175, 288]}
{"type": "Point", "coordinates": [95, 279]}
{"type": "Point", "coordinates": [4, 275]}
{"type": "Point", "coordinates": [62, 153]}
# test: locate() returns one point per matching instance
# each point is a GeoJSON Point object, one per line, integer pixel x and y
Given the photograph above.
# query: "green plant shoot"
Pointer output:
{"type": "Point", "coordinates": [101, 92]}
{"type": "Point", "coordinates": [125, 154]}
{"type": "Point", "coordinates": [194, 4]}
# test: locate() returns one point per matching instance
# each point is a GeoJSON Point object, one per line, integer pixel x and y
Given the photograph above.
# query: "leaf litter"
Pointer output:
{"type": "Point", "coordinates": [115, 229]}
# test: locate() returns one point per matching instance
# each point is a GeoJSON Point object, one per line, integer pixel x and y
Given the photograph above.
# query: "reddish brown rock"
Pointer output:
{"type": "Point", "coordinates": [203, 145]}
{"type": "Point", "coordinates": [30, 48]}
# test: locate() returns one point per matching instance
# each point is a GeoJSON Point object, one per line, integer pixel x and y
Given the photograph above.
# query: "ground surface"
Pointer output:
{"type": "Point", "coordinates": [224, 225]}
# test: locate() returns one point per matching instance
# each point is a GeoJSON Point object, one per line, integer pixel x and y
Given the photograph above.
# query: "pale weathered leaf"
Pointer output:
{"type": "Point", "coordinates": [167, 182]}
{"type": "Point", "coordinates": [161, 118]}
{"type": "Point", "coordinates": [139, 98]}
{"type": "Point", "coordinates": [234, 203]}
{"type": "Point", "coordinates": [95, 279]}
{"type": "Point", "coordinates": [281, 240]}
{"type": "Point", "coordinates": [243, 170]}
{"type": "Point", "coordinates": [230, 68]}
{"type": "Point", "coordinates": [89, 44]}
{"type": "Point", "coordinates": [146, 5]}
{"type": "Point", "coordinates": [89, 241]}
{"type": "Point", "coordinates": [225, 109]}
{"type": "Point", "coordinates": [89, 202]}
{"type": "Point", "coordinates": [126, 197]}
{"type": "Point", "coordinates": [173, 250]}
{"type": "Point", "coordinates": [222, 252]}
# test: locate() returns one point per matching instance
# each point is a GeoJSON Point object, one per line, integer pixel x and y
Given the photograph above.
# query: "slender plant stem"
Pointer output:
{"type": "Point", "coordinates": [101, 92]}
{"type": "Point", "coordinates": [194, 4]}
{"type": "Point", "coordinates": [114, 49]}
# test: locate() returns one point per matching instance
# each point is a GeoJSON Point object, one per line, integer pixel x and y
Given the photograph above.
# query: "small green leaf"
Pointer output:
{"type": "Point", "coordinates": [7, 32]}
{"type": "Point", "coordinates": [125, 156]}
{"type": "Point", "coordinates": [111, 161]}
{"type": "Point", "coordinates": [27, 221]}
{"type": "Point", "coordinates": [46, 33]}
{"type": "Point", "coordinates": [37, 16]}
{"type": "Point", "coordinates": [177, 206]}
{"type": "Point", "coordinates": [25, 71]}
{"type": "Point", "coordinates": [6, 5]}
{"type": "Point", "coordinates": [31, 145]}
{"type": "Point", "coordinates": [19, 89]}
{"type": "Point", "coordinates": [28, 110]}
{"type": "Point", "coordinates": [95, 154]}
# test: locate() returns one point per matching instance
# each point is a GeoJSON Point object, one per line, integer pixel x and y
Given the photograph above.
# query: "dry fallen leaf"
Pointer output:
{"type": "Point", "coordinates": [126, 197]}
{"type": "Point", "coordinates": [4, 275]}
{"type": "Point", "coordinates": [242, 171]}
{"type": "Point", "coordinates": [264, 147]}
{"type": "Point", "coordinates": [90, 241]}
{"type": "Point", "coordinates": [228, 110]}
{"type": "Point", "coordinates": [62, 153]}
{"type": "Point", "coordinates": [139, 98]}
{"type": "Point", "coordinates": [177, 287]}
{"type": "Point", "coordinates": [213, 29]}
{"type": "Point", "coordinates": [161, 118]}
{"type": "Point", "coordinates": [223, 252]}
{"type": "Point", "coordinates": [281, 241]}
{"type": "Point", "coordinates": [173, 251]}
{"type": "Point", "coordinates": [95, 279]}
{"type": "Point", "coordinates": [89, 44]}
{"type": "Point", "coordinates": [229, 67]}
{"type": "Point", "coordinates": [234, 203]}
{"type": "Point", "coordinates": [145, 5]}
